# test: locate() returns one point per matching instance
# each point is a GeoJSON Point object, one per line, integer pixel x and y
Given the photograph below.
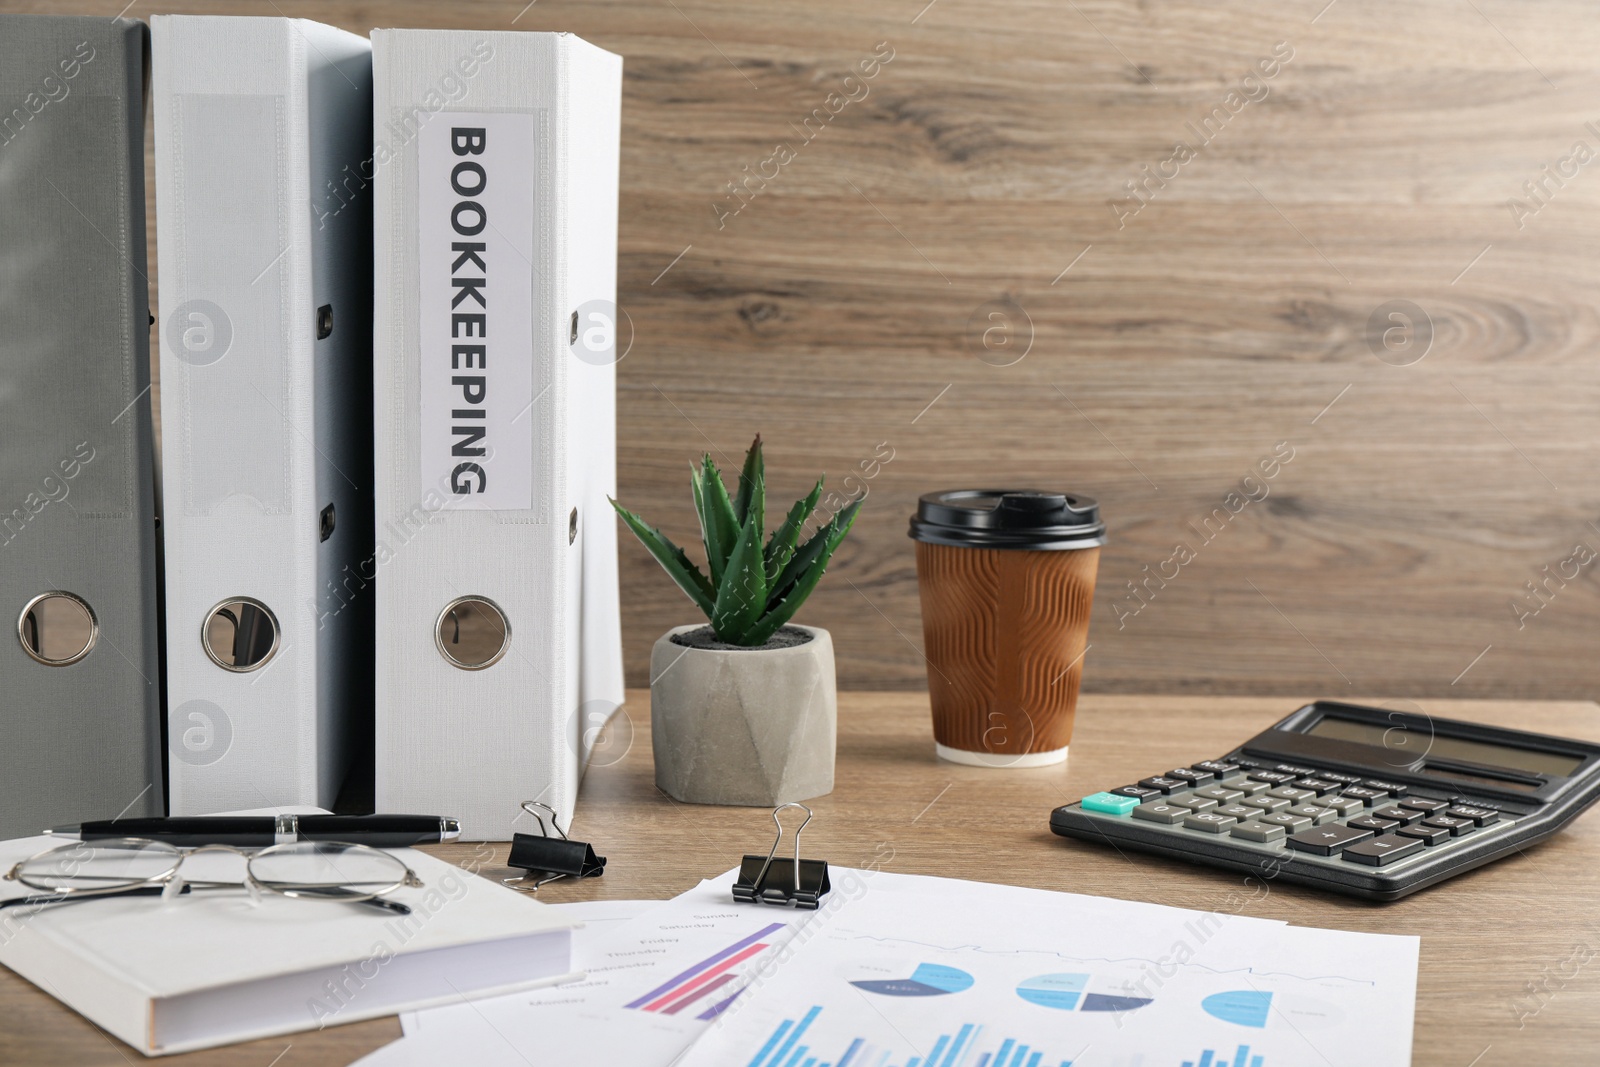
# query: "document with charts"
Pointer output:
{"type": "Point", "coordinates": [936, 973]}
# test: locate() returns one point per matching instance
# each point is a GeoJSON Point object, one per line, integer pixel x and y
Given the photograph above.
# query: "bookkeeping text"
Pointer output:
{"type": "Point", "coordinates": [479, 178]}
{"type": "Point", "coordinates": [468, 218]}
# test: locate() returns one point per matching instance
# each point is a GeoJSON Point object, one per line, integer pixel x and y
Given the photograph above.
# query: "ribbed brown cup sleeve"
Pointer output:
{"type": "Point", "coordinates": [1004, 632]}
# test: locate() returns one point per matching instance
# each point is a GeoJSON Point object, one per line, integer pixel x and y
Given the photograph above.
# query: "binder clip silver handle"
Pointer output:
{"type": "Point", "coordinates": [547, 858]}
{"type": "Point", "coordinates": [800, 882]}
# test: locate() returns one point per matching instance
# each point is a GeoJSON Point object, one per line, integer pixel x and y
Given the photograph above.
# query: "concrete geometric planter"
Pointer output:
{"type": "Point", "coordinates": [753, 726]}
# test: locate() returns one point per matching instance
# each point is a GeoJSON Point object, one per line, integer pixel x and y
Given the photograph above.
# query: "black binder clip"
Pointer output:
{"type": "Point", "coordinates": [548, 859]}
{"type": "Point", "coordinates": [802, 883]}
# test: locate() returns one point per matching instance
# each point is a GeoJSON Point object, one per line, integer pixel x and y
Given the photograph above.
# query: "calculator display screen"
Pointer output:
{"type": "Point", "coordinates": [1557, 764]}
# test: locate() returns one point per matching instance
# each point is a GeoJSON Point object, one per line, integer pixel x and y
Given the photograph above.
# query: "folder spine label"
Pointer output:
{"type": "Point", "coordinates": [234, 265]}
{"type": "Point", "coordinates": [478, 244]}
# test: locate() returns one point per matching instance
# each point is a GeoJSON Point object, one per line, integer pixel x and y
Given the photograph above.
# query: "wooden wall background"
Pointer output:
{"type": "Point", "coordinates": [833, 313]}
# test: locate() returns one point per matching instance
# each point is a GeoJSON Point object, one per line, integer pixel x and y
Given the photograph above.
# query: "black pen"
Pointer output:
{"type": "Point", "coordinates": [259, 831]}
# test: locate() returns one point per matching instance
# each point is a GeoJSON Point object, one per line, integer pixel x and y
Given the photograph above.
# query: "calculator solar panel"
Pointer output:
{"type": "Point", "coordinates": [1362, 801]}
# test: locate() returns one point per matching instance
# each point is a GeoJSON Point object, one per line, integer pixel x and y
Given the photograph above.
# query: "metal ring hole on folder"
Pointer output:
{"type": "Point", "coordinates": [240, 634]}
{"type": "Point", "coordinates": [472, 633]}
{"type": "Point", "coordinates": [57, 628]}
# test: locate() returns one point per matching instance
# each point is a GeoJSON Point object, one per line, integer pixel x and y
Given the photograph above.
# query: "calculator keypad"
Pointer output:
{"type": "Point", "coordinates": [1161, 812]}
{"type": "Point", "coordinates": [1381, 850]}
{"type": "Point", "coordinates": [1326, 840]}
{"type": "Point", "coordinates": [1259, 832]}
{"type": "Point", "coordinates": [1403, 816]}
{"type": "Point", "coordinates": [1428, 835]}
{"type": "Point", "coordinates": [1275, 777]}
{"type": "Point", "coordinates": [1480, 816]}
{"type": "Point", "coordinates": [1457, 827]}
{"type": "Point", "coordinates": [1315, 813]}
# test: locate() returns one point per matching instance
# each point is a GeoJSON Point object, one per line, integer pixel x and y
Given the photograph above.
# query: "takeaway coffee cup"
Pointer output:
{"type": "Point", "coordinates": [1007, 580]}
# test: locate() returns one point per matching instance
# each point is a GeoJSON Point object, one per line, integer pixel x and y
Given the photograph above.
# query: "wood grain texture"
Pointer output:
{"type": "Point", "coordinates": [1167, 349]}
{"type": "Point", "coordinates": [1485, 935]}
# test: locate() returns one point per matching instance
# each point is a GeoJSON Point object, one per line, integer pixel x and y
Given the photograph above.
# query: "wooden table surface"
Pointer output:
{"type": "Point", "coordinates": [1490, 938]}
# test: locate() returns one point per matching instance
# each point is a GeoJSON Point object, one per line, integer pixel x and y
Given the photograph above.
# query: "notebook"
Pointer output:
{"type": "Point", "coordinates": [212, 968]}
{"type": "Point", "coordinates": [495, 218]}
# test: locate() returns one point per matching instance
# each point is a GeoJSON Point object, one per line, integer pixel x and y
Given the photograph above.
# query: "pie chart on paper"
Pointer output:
{"type": "Point", "coordinates": [1066, 992]}
{"type": "Point", "coordinates": [1243, 1007]}
{"type": "Point", "coordinates": [1058, 991]}
{"type": "Point", "coordinates": [928, 980]}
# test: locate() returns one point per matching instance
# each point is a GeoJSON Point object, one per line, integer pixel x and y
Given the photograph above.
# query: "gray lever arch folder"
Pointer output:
{"type": "Point", "coordinates": [80, 672]}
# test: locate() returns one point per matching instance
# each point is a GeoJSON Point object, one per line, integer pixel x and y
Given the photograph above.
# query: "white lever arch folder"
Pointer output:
{"type": "Point", "coordinates": [498, 642]}
{"type": "Point", "coordinates": [263, 171]}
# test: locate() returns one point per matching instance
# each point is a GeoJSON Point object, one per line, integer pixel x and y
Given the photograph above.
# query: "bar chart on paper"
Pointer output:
{"type": "Point", "coordinates": [968, 1046]}
{"type": "Point", "coordinates": [1240, 1058]}
{"type": "Point", "coordinates": [698, 985]}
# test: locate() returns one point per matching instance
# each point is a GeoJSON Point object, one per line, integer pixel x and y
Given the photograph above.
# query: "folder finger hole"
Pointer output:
{"type": "Point", "coordinates": [472, 633]}
{"type": "Point", "coordinates": [240, 634]}
{"type": "Point", "coordinates": [57, 628]}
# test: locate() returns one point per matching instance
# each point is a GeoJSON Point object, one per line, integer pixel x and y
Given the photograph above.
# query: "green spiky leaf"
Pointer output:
{"type": "Point", "coordinates": [814, 551]}
{"type": "Point", "coordinates": [742, 593]}
{"type": "Point", "coordinates": [788, 601]}
{"type": "Point", "coordinates": [699, 497]}
{"type": "Point", "coordinates": [784, 539]}
{"type": "Point", "coordinates": [719, 528]}
{"type": "Point", "coordinates": [672, 559]}
{"type": "Point", "coordinates": [752, 487]}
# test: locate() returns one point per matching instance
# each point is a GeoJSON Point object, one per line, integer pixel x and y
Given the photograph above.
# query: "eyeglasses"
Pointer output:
{"type": "Point", "coordinates": [134, 866]}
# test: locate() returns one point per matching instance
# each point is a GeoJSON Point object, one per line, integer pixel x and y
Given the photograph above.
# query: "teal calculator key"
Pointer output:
{"type": "Point", "coordinates": [1109, 803]}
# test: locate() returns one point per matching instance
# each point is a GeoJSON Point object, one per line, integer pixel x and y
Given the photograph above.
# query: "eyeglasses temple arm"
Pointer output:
{"type": "Point", "coordinates": [73, 898]}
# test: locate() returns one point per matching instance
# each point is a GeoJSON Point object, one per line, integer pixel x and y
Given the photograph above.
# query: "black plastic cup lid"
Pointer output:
{"type": "Point", "coordinates": [1035, 519]}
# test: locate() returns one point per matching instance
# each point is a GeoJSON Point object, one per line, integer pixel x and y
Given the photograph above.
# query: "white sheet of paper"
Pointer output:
{"type": "Point", "coordinates": [962, 974]}
{"type": "Point", "coordinates": [650, 985]}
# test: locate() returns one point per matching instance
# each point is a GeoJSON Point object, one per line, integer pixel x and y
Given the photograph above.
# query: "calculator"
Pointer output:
{"type": "Point", "coordinates": [1362, 801]}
